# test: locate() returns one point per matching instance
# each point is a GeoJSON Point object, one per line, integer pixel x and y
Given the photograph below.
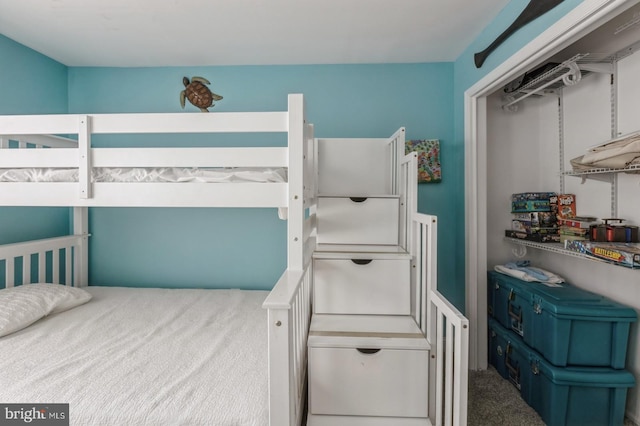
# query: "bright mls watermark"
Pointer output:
{"type": "Point", "coordinates": [34, 414]}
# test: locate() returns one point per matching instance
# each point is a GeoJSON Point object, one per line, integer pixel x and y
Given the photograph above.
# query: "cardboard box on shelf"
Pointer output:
{"type": "Point", "coordinates": [566, 205]}
{"type": "Point", "coordinates": [534, 237]}
{"type": "Point", "coordinates": [624, 254]}
{"type": "Point", "coordinates": [531, 202]}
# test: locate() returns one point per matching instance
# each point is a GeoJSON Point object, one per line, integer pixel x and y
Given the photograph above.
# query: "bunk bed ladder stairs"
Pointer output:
{"type": "Point", "coordinates": [382, 340]}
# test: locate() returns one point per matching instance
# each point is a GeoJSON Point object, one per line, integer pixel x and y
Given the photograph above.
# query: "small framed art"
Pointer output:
{"type": "Point", "coordinates": [428, 150]}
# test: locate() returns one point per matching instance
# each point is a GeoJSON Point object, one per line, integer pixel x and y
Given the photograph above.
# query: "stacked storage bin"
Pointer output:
{"type": "Point", "coordinates": [564, 349]}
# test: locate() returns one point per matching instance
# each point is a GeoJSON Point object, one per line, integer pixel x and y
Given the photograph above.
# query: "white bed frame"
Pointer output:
{"type": "Point", "coordinates": [289, 303]}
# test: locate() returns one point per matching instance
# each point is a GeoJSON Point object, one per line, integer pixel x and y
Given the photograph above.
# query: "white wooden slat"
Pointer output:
{"type": "Point", "coordinates": [42, 267]}
{"type": "Point", "coordinates": [4, 142]}
{"type": "Point", "coordinates": [432, 266]}
{"type": "Point", "coordinates": [22, 158]}
{"type": "Point", "coordinates": [460, 397]}
{"type": "Point", "coordinates": [190, 157]}
{"type": "Point", "coordinates": [408, 192]}
{"type": "Point", "coordinates": [449, 373]}
{"type": "Point", "coordinates": [55, 266]}
{"type": "Point", "coordinates": [462, 366]}
{"type": "Point", "coordinates": [439, 366]}
{"type": "Point", "coordinates": [68, 271]}
{"type": "Point", "coordinates": [26, 269]}
{"type": "Point", "coordinates": [310, 172]}
{"type": "Point", "coordinates": [291, 393]}
{"type": "Point", "coordinates": [84, 157]}
{"type": "Point", "coordinates": [22, 145]}
{"type": "Point", "coordinates": [422, 290]}
{"type": "Point", "coordinates": [297, 355]}
{"type": "Point", "coordinates": [9, 272]}
{"type": "Point", "coordinates": [148, 123]}
{"type": "Point", "coordinates": [246, 194]}
{"type": "Point", "coordinates": [81, 252]}
{"type": "Point", "coordinates": [397, 147]}
{"type": "Point", "coordinates": [304, 308]}
{"type": "Point", "coordinates": [39, 124]}
{"type": "Point", "coordinates": [295, 222]}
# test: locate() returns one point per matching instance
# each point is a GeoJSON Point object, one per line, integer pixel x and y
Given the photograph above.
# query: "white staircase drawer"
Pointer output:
{"type": "Point", "coordinates": [357, 220]}
{"type": "Point", "coordinates": [342, 171]}
{"type": "Point", "coordinates": [368, 382]}
{"type": "Point", "coordinates": [362, 286]}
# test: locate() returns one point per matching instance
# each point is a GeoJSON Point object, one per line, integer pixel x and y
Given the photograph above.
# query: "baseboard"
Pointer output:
{"type": "Point", "coordinates": [317, 420]}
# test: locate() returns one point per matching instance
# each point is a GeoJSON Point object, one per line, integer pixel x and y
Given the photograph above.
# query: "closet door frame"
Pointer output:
{"type": "Point", "coordinates": [584, 18]}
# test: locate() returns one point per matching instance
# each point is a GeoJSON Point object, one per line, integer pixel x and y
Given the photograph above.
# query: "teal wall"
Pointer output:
{"type": "Point", "coordinates": [246, 248]}
{"type": "Point", "coordinates": [466, 75]}
{"type": "Point", "coordinates": [31, 83]}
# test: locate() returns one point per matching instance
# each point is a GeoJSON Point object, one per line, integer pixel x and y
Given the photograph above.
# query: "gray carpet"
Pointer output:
{"type": "Point", "coordinates": [494, 401]}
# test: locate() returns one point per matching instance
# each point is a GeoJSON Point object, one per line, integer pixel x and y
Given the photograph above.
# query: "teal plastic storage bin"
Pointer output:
{"type": "Point", "coordinates": [563, 396]}
{"type": "Point", "coordinates": [567, 325]}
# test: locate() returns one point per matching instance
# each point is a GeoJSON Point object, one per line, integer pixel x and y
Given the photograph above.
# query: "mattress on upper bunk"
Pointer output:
{"type": "Point", "coordinates": [143, 174]}
{"type": "Point", "coordinates": [146, 357]}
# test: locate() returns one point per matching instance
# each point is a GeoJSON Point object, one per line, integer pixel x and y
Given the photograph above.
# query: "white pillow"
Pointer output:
{"type": "Point", "coordinates": [22, 306]}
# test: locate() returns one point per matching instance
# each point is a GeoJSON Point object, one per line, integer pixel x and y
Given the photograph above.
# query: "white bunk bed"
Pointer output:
{"type": "Point", "coordinates": [281, 389]}
{"type": "Point", "coordinates": [288, 304]}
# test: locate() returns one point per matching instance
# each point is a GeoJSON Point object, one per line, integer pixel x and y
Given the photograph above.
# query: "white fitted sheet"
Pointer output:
{"type": "Point", "coordinates": [146, 357]}
{"type": "Point", "coordinates": [144, 174]}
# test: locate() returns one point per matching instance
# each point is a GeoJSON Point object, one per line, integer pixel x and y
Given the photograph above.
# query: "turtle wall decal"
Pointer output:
{"type": "Point", "coordinates": [198, 94]}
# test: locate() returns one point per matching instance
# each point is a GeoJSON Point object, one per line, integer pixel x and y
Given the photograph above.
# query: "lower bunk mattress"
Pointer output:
{"type": "Point", "coordinates": [146, 357]}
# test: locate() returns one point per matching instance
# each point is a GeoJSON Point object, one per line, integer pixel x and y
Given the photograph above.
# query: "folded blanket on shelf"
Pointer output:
{"type": "Point", "coordinates": [616, 154]}
{"type": "Point", "coordinates": [524, 271]}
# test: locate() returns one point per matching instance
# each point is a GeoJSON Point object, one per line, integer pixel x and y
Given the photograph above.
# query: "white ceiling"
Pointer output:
{"type": "Point", "coordinates": [128, 33]}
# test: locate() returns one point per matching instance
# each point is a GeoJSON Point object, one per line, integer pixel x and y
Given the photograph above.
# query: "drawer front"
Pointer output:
{"type": "Point", "coordinates": [389, 382]}
{"type": "Point", "coordinates": [362, 286]}
{"type": "Point", "coordinates": [358, 221]}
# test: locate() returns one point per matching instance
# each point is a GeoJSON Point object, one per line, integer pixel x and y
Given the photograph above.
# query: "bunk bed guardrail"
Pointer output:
{"type": "Point", "coordinates": [407, 182]}
{"type": "Point", "coordinates": [36, 132]}
{"type": "Point", "coordinates": [445, 327]}
{"type": "Point", "coordinates": [54, 261]}
{"type": "Point", "coordinates": [289, 315]}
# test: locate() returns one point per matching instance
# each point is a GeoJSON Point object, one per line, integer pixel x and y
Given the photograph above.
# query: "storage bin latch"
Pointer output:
{"type": "Point", "coordinates": [515, 313]}
{"type": "Point", "coordinates": [514, 372]}
{"type": "Point", "coordinates": [535, 369]}
{"type": "Point", "coordinates": [537, 308]}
